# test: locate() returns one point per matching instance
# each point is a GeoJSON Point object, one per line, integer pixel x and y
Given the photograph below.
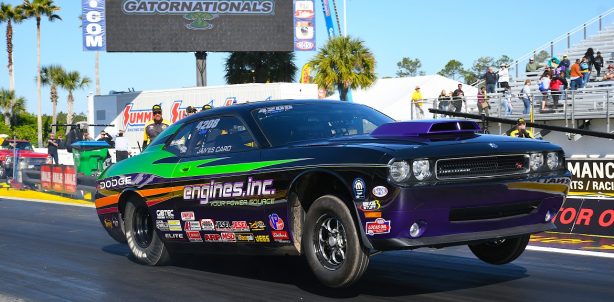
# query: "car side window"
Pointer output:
{"type": "Point", "coordinates": [179, 144]}
{"type": "Point", "coordinates": [223, 134]}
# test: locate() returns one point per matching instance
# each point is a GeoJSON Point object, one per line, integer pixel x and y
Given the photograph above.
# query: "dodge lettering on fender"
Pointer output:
{"type": "Point", "coordinates": [335, 182]}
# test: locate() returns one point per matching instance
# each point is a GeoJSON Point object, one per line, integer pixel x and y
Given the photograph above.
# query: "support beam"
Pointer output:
{"type": "Point", "coordinates": [201, 68]}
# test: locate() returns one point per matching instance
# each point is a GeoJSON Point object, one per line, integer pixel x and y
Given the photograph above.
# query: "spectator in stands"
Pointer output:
{"type": "Point", "coordinates": [532, 66]}
{"type": "Point", "coordinates": [585, 70]}
{"type": "Point", "coordinates": [590, 59]}
{"type": "Point", "coordinates": [555, 91]}
{"type": "Point", "coordinates": [444, 101]}
{"type": "Point", "coordinates": [598, 63]}
{"type": "Point", "coordinates": [563, 80]}
{"type": "Point", "coordinates": [575, 75]}
{"type": "Point", "coordinates": [52, 148]}
{"type": "Point", "coordinates": [490, 78]}
{"type": "Point", "coordinates": [121, 146]}
{"type": "Point", "coordinates": [483, 105]}
{"type": "Point", "coordinates": [504, 76]}
{"type": "Point", "coordinates": [525, 95]}
{"type": "Point", "coordinates": [506, 101]}
{"type": "Point", "coordinates": [609, 74]}
{"type": "Point", "coordinates": [565, 65]}
{"type": "Point", "coordinates": [416, 99]}
{"type": "Point", "coordinates": [86, 136]}
{"type": "Point", "coordinates": [458, 97]}
{"type": "Point", "coordinates": [544, 88]}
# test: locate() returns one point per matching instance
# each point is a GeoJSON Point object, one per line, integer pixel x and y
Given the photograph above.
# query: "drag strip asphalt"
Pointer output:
{"type": "Point", "coordinates": [51, 252]}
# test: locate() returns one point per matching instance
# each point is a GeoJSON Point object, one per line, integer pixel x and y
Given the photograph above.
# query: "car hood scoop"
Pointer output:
{"type": "Point", "coordinates": [427, 128]}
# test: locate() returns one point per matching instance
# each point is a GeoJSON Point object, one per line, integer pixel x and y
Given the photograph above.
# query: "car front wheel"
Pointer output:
{"type": "Point", "coordinates": [500, 251]}
{"type": "Point", "coordinates": [331, 243]}
{"type": "Point", "coordinates": [141, 236]}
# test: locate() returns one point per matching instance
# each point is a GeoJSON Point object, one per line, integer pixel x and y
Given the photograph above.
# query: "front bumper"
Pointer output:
{"type": "Point", "coordinates": [458, 239]}
{"type": "Point", "coordinates": [461, 213]}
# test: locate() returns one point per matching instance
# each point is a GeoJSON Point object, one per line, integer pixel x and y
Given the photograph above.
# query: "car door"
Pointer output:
{"type": "Point", "coordinates": [219, 194]}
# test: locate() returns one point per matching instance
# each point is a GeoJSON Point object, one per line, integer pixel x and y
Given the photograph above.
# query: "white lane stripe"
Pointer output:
{"type": "Point", "coordinates": [49, 201]}
{"type": "Point", "coordinates": [570, 252]}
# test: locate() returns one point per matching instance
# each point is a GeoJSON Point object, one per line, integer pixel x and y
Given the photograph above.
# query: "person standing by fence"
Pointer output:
{"type": "Point", "coordinates": [416, 99]}
{"type": "Point", "coordinates": [457, 98]}
{"type": "Point", "coordinates": [52, 148]}
{"type": "Point", "coordinates": [483, 105]}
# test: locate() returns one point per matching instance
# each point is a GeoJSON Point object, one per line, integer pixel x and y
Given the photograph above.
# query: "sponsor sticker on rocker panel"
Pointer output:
{"type": "Point", "coordinates": [280, 236]}
{"type": "Point", "coordinates": [213, 238]}
{"type": "Point", "coordinates": [174, 236]}
{"type": "Point", "coordinates": [240, 226]}
{"type": "Point", "coordinates": [379, 226]}
{"type": "Point", "coordinates": [194, 236]}
{"type": "Point", "coordinates": [187, 216]}
{"type": "Point", "coordinates": [275, 222]}
{"type": "Point", "coordinates": [223, 226]}
{"type": "Point", "coordinates": [207, 224]}
{"type": "Point", "coordinates": [359, 187]}
{"type": "Point", "coordinates": [245, 237]}
{"type": "Point", "coordinates": [192, 226]}
{"type": "Point", "coordinates": [263, 238]}
{"type": "Point", "coordinates": [228, 237]}
{"type": "Point", "coordinates": [380, 191]}
{"type": "Point", "coordinates": [162, 225]}
{"type": "Point", "coordinates": [257, 225]}
{"type": "Point", "coordinates": [174, 226]}
{"type": "Point", "coordinates": [165, 214]}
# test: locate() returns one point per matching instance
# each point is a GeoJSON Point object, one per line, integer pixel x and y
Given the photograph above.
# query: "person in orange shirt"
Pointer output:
{"type": "Point", "coordinates": [576, 76]}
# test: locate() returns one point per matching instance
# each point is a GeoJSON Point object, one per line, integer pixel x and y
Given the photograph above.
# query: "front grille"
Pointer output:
{"type": "Point", "coordinates": [494, 211]}
{"type": "Point", "coordinates": [482, 166]}
{"type": "Point", "coordinates": [36, 162]}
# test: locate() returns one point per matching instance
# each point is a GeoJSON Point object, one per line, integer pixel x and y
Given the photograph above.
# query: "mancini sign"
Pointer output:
{"type": "Point", "coordinates": [191, 25]}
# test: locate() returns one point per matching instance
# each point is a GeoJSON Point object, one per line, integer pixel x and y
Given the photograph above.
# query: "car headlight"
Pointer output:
{"type": "Point", "coordinates": [421, 169]}
{"type": "Point", "coordinates": [536, 161]}
{"type": "Point", "coordinates": [552, 160]}
{"type": "Point", "coordinates": [399, 171]}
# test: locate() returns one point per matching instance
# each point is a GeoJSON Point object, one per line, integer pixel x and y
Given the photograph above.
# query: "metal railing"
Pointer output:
{"type": "Point", "coordinates": [562, 43]}
{"type": "Point", "coordinates": [585, 103]}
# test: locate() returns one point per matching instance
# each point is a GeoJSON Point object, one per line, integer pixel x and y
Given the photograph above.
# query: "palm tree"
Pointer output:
{"type": "Point", "coordinates": [260, 67]}
{"type": "Point", "coordinates": [10, 105]}
{"type": "Point", "coordinates": [71, 81]}
{"type": "Point", "coordinates": [344, 63]}
{"type": "Point", "coordinates": [51, 76]}
{"type": "Point", "coordinates": [10, 15]}
{"type": "Point", "coordinates": [39, 9]}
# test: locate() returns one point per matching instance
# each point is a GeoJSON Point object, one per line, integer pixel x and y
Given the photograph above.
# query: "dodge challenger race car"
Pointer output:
{"type": "Point", "coordinates": [333, 181]}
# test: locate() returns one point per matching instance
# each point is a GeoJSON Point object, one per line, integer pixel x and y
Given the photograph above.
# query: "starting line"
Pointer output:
{"type": "Point", "coordinates": [570, 252]}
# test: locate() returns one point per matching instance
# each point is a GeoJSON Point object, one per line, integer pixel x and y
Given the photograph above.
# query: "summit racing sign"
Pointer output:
{"type": "Point", "coordinates": [199, 25]}
{"type": "Point", "coordinates": [136, 118]}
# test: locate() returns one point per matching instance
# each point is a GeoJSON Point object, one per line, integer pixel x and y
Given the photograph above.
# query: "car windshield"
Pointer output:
{"type": "Point", "coordinates": [286, 124]}
{"type": "Point", "coordinates": [20, 145]}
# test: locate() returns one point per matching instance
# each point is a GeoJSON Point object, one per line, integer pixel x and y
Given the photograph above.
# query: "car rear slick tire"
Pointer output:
{"type": "Point", "coordinates": [144, 243]}
{"type": "Point", "coordinates": [500, 251]}
{"type": "Point", "coordinates": [331, 243]}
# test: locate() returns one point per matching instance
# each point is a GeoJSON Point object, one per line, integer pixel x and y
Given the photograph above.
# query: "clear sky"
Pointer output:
{"type": "Point", "coordinates": [434, 31]}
